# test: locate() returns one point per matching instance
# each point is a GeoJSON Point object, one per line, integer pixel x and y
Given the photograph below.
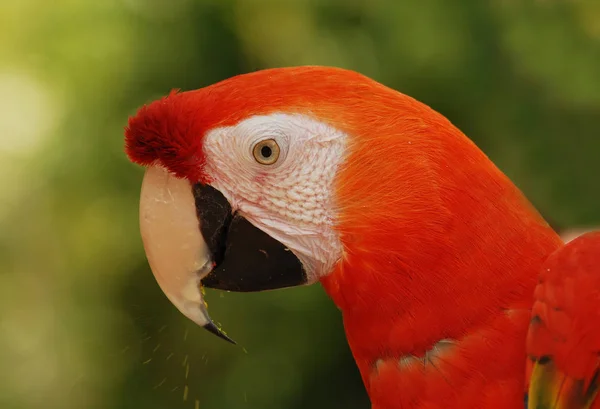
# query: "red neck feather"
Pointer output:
{"type": "Point", "coordinates": [439, 245]}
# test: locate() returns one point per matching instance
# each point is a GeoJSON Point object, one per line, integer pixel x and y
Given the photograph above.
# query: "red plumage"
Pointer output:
{"type": "Point", "coordinates": [441, 251]}
{"type": "Point", "coordinates": [171, 129]}
{"type": "Point", "coordinates": [564, 336]}
{"type": "Point", "coordinates": [440, 245]}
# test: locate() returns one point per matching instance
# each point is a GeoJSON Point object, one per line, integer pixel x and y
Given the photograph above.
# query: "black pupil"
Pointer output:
{"type": "Point", "coordinates": [266, 152]}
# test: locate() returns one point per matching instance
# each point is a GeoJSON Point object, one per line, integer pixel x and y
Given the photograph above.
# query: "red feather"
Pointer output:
{"type": "Point", "coordinates": [439, 244]}
{"type": "Point", "coordinates": [564, 335]}
{"type": "Point", "coordinates": [170, 130]}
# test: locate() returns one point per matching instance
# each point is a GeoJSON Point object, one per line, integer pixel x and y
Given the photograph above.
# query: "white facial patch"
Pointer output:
{"type": "Point", "coordinates": [292, 199]}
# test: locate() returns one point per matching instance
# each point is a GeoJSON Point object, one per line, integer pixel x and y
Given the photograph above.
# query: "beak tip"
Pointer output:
{"type": "Point", "coordinates": [212, 328]}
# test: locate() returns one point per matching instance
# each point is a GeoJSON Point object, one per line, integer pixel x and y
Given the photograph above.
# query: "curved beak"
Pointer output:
{"type": "Point", "coordinates": [176, 251]}
{"type": "Point", "coordinates": [193, 238]}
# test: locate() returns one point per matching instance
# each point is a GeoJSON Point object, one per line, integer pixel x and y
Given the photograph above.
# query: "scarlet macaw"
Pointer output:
{"type": "Point", "coordinates": [292, 176]}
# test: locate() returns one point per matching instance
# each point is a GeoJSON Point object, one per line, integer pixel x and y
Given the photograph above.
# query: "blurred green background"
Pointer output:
{"type": "Point", "coordinates": [83, 323]}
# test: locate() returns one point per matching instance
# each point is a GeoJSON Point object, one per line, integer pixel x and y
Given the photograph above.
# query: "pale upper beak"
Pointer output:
{"type": "Point", "coordinates": [177, 253]}
{"type": "Point", "coordinates": [193, 237]}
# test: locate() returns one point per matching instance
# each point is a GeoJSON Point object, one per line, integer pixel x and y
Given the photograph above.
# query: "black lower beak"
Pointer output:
{"type": "Point", "coordinates": [245, 258]}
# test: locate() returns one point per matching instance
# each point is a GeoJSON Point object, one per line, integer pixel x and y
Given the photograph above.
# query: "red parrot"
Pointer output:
{"type": "Point", "coordinates": [437, 261]}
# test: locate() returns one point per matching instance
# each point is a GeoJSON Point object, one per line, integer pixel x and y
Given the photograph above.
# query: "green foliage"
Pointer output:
{"type": "Point", "coordinates": [84, 324]}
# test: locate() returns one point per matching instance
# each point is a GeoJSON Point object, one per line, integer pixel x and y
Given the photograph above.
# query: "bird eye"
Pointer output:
{"type": "Point", "coordinates": [266, 152]}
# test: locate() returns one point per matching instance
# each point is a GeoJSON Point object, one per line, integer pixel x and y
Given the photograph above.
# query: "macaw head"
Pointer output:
{"type": "Point", "coordinates": [290, 176]}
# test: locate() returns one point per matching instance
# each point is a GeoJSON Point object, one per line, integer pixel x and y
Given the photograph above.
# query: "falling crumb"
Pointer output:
{"type": "Point", "coordinates": [245, 396]}
{"type": "Point", "coordinates": [197, 404]}
{"type": "Point", "coordinates": [161, 383]}
{"type": "Point", "coordinates": [170, 356]}
{"type": "Point", "coordinates": [156, 348]}
{"type": "Point", "coordinates": [185, 392]}
{"type": "Point", "coordinates": [185, 334]}
{"type": "Point", "coordinates": [174, 389]}
{"type": "Point", "coordinates": [147, 361]}
{"type": "Point", "coordinates": [125, 349]}
{"type": "Point", "coordinates": [187, 371]}
{"type": "Point", "coordinates": [184, 361]}
{"type": "Point", "coordinates": [162, 328]}
{"type": "Point", "coordinates": [244, 350]}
